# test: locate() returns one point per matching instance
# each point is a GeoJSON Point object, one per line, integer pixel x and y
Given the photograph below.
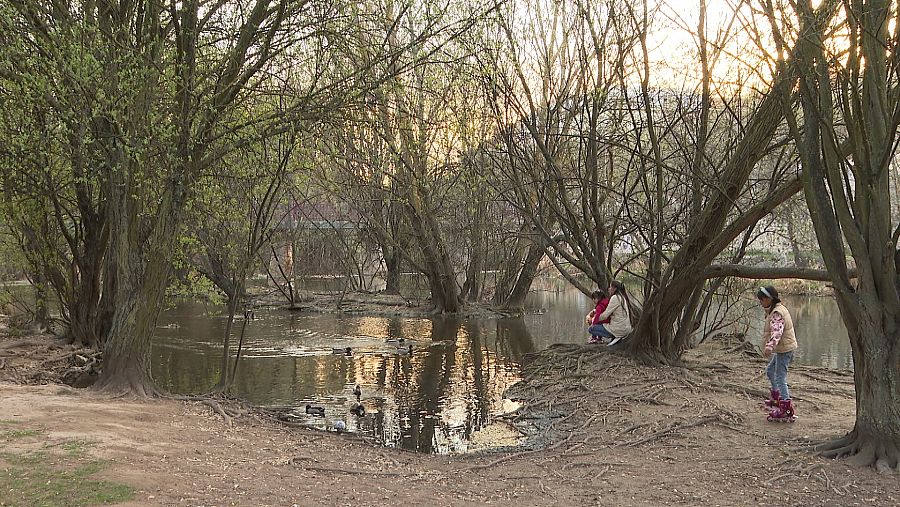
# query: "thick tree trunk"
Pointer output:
{"type": "Point", "coordinates": [515, 300]}
{"type": "Point", "coordinates": [474, 277]}
{"type": "Point", "coordinates": [142, 268]}
{"type": "Point", "coordinates": [126, 356]}
{"type": "Point", "coordinates": [392, 263]}
{"type": "Point", "coordinates": [875, 438]}
{"type": "Point", "coordinates": [438, 268]}
{"type": "Point", "coordinates": [86, 317]}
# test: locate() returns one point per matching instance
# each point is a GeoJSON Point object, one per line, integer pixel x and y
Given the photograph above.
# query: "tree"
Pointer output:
{"type": "Point", "coordinates": [553, 86]}
{"type": "Point", "coordinates": [400, 184]}
{"type": "Point", "coordinates": [235, 218]}
{"type": "Point", "coordinates": [730, 204]}
{"type": "Point", "coordinates": [168, 91]}
{"type": "Point", "coordinates": [847, 133]}
{"type": "Point", "coordinates": [54, 201]}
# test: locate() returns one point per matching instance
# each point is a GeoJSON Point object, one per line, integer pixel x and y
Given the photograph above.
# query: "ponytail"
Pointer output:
{"type": "Point", "coordinates": [620, 290]}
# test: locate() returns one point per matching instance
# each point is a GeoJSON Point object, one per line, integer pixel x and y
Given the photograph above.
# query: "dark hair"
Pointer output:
{"type": "Point", "coordinates": [620, 289]}
{"type": "Point", "coordinates": [598, 294]}
{"type": "Point", "coordinates": [768, 292]}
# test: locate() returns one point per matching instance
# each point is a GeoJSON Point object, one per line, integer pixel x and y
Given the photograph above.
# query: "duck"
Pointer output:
{"type": "Point", "coordinates": [316, 411]}
{"type": "Point", "coordinates": [395, 341]}
{"type": "Point", "coordinates": [357, 391]}
{"type": "Point", "coordinates": [339, 426]}
{"type": "Point", "coordinates": [358, 410]}
{"type": "Point", "coordinates": [347, 351]}
{"type": "Point", "coordinates": [405, 351]}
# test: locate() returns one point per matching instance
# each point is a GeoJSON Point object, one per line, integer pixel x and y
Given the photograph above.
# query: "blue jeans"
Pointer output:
{"type": "Point", "coordinates": [777, 372]}
{"type": "Point", "coordinates": [599, 330]}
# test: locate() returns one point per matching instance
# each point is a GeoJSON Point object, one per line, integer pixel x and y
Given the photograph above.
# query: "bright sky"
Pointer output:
{"type": "Point", "coordinates": [672, 41]}
{"type": "Point", "coordinates": [674, 47]}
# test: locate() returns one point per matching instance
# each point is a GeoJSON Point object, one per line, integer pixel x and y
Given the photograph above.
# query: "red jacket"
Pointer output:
{"type": "Point", "coordinates": [601, 307]}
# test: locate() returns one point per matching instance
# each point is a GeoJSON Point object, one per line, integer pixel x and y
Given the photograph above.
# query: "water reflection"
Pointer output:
{"type": "Point", "coordinates": [820, 331]}
{"type": "Point", "coordinates": [435, 400]}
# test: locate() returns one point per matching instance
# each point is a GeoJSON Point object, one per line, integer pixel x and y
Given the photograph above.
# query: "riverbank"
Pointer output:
{"type": "Point", "coordinates": [613, 433]}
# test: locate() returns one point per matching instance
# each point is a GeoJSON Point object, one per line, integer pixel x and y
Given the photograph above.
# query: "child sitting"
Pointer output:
{"type": "Point", "coordinates": [601, 301]}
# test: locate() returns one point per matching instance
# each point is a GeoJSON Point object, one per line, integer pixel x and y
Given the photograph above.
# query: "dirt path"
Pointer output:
{"type": "Point", "coordinates": [620, 434]}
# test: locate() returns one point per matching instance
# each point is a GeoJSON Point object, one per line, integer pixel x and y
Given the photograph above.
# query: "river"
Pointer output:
{"type": "Point", "coordinates": [442, 397]}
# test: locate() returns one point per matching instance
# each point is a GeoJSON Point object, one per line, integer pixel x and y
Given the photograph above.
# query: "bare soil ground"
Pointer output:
{"type": "Point", "coordinates": [616, 433]}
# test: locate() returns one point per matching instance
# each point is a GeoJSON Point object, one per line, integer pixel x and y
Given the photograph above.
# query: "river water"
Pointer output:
{"type": "Point", "coordinates": [438, 399]}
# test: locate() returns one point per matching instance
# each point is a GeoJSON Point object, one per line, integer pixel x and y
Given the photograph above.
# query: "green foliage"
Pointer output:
{"type": "Point", "coordinates": [194, 286]}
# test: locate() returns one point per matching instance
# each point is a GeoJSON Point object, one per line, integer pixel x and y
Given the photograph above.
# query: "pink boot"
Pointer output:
{"type": "Point", "coordinates": [784, 412]}
{"type": "Point", "coordinates": [774, 398]}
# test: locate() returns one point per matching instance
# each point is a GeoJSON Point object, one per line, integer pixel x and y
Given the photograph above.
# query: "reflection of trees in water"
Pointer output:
{"type": "Point", "coordinates": [184, 371]}
{"type": "Point", "coordinates": [820, 331]}
{"type": "Point", "coordinates": [514, 339]}
{"type": "Point", "coordinates": [431, 384]}
{"type": "Point", "coordinates": [478, 408]}
{"type": "Point", "coordinates": [453, 386]}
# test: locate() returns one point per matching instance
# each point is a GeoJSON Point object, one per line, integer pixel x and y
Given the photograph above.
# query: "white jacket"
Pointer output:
{"type": "Point", "coordinates": [620, 322]}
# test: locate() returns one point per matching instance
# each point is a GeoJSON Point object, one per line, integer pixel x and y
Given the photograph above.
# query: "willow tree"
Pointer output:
{"type": "Point", "coordinates": [847, 134]}
{"type": "Point", "coordinates": [553, 82]}
{"type": "Point", "coordinates": [400, 150]}
{"type": "Point", "coordinates": [168, 91]}
{"type": "Point", "coordinates": [54, 200]}
{"type": "Point", "coordinates": [743, 177]}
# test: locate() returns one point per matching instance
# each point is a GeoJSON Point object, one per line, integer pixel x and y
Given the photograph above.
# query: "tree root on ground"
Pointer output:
{"type": "Point", "coordinates": [813, 471]}
{"type": "Point", "coordinates": [219, 403]}
{"type": "Point", "coordinates": [672, 428]}
{"type": "Point", "coordinates": [214, 405]}
{"type": "Point", "coordinates": [862, 449]}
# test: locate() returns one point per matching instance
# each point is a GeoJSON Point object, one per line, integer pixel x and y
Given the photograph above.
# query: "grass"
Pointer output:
{"type": "Point", "coordinates": [17, 434]}
{"type": "Point", "coordinates": [44, 478]}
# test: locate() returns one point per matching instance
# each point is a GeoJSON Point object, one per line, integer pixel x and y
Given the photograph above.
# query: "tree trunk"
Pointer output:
{"type": "Point", "coordinates": [875, 438]}
{"type": "Point", "coordinates": [799, 260]}
{"type": "Point", "coordinates": [126, 357]}
{"type": "Point", "coordinates": [392, 263]}
{"type": "Point", "coordinates": [86, 325]}
{"type": "Point", "coordinates": [41, 310]}
{"type": "Point", "coordinates": [438, 268]}
{"type": "Point", "coordinates": [141, 267]}
{"type": "Point", "coordinates": [515, 300]}
{"type": "Point", "coordinates": [474, 276]}
{"type": "Point", "coordinates": [233, 299]}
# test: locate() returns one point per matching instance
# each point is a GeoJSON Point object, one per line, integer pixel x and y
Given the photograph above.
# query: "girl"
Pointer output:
{"type": "Point", "coordinates": [779, 343]}
{"type": "Point", "coordinates": [600, 304]}
{"type": "Point", "coordinates": [618, 314]}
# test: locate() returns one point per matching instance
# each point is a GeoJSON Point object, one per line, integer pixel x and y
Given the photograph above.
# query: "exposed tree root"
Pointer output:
{"type": "Point", "coordinates": [126, 387]}
{"type": "Point", "coordinates": [219, 403]}
{"type": "Point", "coordinates": [676, 426]}
{"type": "Point", "coordinates": [863, 449]}
{"type": "Point", "coordinates": [214, 405]}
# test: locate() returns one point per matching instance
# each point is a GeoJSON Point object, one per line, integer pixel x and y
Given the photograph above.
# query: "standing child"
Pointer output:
{"type": "Point", "coordinates": [779, 344]}
{"type": "Point", "coordinates": [593, 318]}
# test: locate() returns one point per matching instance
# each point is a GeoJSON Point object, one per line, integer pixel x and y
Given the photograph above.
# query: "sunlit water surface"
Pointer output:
{"type": "Point", "coordinates": [439, 399]}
